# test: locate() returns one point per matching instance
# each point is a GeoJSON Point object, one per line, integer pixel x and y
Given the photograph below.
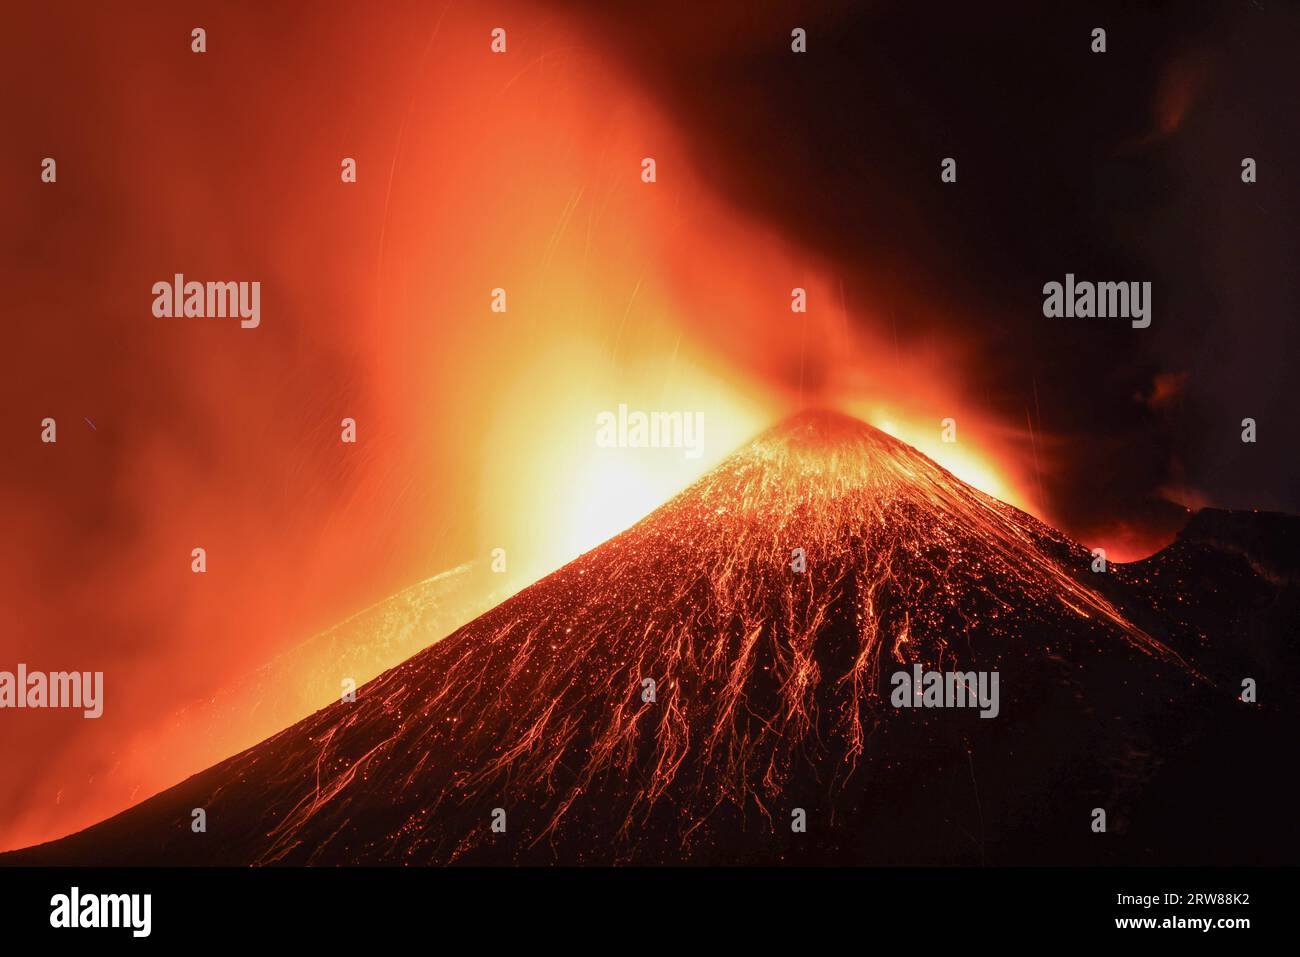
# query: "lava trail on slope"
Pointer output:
{"type": "Point", "coordinates": [771, 694]}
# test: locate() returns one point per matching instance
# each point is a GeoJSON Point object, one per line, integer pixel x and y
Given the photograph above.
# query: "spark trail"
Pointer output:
{"type": "Point", "coordinates": [771, 693]}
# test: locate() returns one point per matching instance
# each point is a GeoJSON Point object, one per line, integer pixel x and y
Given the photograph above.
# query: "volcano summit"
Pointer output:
{"type": "Point", "coordinates": [529, 736]}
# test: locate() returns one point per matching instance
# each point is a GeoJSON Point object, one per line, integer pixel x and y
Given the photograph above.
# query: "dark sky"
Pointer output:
{"type": "Point", "coordinates": [1122, 166]}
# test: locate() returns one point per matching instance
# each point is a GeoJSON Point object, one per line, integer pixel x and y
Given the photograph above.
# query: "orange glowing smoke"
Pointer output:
{"type": "Point", "coordinates": [476, 429]}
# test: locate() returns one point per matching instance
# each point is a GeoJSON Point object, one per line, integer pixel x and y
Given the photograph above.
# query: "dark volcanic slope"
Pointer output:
{"type": "Point", "coordinates": [772, 694]}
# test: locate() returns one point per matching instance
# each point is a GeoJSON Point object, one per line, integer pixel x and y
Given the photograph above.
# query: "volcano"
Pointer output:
{"type": "Point", "coordinates": [692, 691]}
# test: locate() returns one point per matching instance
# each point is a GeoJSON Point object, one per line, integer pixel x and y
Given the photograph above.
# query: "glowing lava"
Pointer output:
{"type": "Point", "coordinates": [770, 687]}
